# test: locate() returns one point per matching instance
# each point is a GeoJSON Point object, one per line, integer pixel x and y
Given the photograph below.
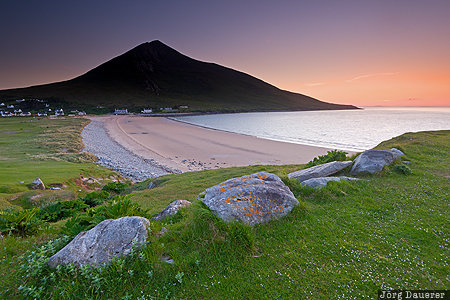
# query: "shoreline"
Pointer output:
{"type": "Point", "coordinates": [178, 145]}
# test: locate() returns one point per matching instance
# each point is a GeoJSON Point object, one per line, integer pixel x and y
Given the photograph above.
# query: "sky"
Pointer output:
{"type": "Point", "coordinates": [360, 52]}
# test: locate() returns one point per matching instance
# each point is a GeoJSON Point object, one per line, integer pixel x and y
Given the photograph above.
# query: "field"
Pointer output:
{"type": "Point", "coordinates": [346, 241]}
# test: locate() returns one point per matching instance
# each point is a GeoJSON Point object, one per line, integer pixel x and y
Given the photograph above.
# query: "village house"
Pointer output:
{"type": "Point", "coordinates": [147, 111]}
{"type": "Point", "coordinates": [121, 111]}
{"type": "Point", "coordinates": [10, 106]}
{"type": "Point", "coordinates": [59, 112]}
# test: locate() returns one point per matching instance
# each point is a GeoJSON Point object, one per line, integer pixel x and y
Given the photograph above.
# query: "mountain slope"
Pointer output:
{"type": "Point", "coordinates": [153, 75]}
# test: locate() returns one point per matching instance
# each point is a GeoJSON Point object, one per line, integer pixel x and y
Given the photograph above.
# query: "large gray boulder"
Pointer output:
{"type": "Point", "coordinates": [321, 182]}
{"type": "Point", "coordinates": [251, 199]}
{"type": "Point", "coordinates": [99, 245]}
{"type": "Point", "coordinates": [171, 209]}
{"type": "Point", "coordinates": [320, 170]}
{"type": "Point", "coordinates": [372, 161]}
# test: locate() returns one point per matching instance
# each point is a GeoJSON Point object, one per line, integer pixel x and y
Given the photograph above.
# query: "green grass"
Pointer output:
{"type": "Point", "coordinates": [345, 241]}
{"type": "Point", "coordinates": [44, 148]}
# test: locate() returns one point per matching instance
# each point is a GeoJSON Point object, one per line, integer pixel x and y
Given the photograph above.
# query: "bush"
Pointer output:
{"type": "Point", "coordinates": [402, 169]}
{"type": "Point", "coordinates": [21, 223]}
{"type": "Point", "coordinates": [120, 206]}
{"type": "Point", "coordinates": [62, 210]}
{"type": "Point", "coordinates": [95, 198]}
{"type": "Point", "coordinates": [334, 155]}
{"type": "Point", "coordinates": [116, 187]}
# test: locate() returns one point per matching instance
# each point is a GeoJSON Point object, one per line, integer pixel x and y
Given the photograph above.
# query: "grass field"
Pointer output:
{"type": "Point", "coordinates": [44, 148]}
{"type": "Point", "coordinates": [345, 241]}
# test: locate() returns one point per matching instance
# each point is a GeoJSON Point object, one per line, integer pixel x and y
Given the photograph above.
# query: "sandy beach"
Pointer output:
{"type": "Point", "coordinates": [187, 147]}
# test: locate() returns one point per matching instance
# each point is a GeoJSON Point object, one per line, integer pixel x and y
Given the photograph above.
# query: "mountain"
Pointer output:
{"type": "Point", "coordinates": [155, 75]}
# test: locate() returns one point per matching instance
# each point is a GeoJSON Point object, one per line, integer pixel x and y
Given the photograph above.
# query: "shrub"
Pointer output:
{"type": "Point", "coordinates": [334, 155]}
{"type": "Point", "coordinates": [95, 198]}
{"type": "Point", "coordinates": [402, 169]}
{"type": "Point", "coordinates": [120, 206]}
{"type": "Point", "coordinates": [116, 187]}
{"type": "Point", "coordinates": [62, 210]}
{"type": "Point", "coordinates": [21, 223]}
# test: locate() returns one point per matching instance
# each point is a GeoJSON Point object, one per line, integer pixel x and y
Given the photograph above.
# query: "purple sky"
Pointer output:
{"type": "Point", "coordinates": [379, 52]}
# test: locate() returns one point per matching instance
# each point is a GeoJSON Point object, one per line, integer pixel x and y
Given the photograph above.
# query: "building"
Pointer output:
{"type": "Point", "coordinates": [147, 111]}
{"type": "Point", "coordinates": [10, 106]}
{"type": "Point", "coordinates": [59, 112]}
{"type": "Point", "coordinates": [121, 111]}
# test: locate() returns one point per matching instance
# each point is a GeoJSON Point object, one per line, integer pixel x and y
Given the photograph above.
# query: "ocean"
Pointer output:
{"type": "Point", "coordinates": [352, 130]}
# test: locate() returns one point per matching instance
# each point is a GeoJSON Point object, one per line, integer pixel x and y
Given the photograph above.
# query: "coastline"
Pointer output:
{"type": "Point", "coordinates": [184, 147]}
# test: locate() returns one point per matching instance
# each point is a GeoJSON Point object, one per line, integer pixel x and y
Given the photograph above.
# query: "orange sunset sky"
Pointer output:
{"type": "Point", "coordinates": [365, 53]}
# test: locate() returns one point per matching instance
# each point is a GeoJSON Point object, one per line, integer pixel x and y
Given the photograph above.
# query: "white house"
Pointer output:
{"type": "Point", "coordinates": [10, 106]}
{"type": "Point", "coordinates": [121, 111]}
{"type": "Point", "coordinates": [2, 104]}
{"type": "Point", "coordinates": [147, 111]}
{"type": "Point", "coordinates": [59, 112]}
{"type": "Point", "coordinates": [17, 111]}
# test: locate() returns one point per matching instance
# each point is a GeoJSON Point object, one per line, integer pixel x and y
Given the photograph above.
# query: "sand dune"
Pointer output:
{"type": "Point", "coordinates": [187, 147]}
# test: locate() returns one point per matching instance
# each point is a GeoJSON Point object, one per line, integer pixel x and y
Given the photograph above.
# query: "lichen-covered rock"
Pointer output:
{"type": "Point", "coordinates": [99, 245]}
{"type": "Point", "coordinates": [321, 182]}
{"type": "Point", "coordinates": [38, 184]}
{"type": "Point", "coordinates": [251, 199]}
{"type": "Point", "coordinates": [372, 161]}
{"type": "Point", "coordinates": [320, 170]}
{"type": "Point", "coordinates": [171, 209]}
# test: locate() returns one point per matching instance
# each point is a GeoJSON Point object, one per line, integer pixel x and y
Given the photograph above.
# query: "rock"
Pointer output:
{"type": "Point", "coordinates": [320, 170]}
{"type": "Point", "coordinates": [56, 188]}
{"type": "Point", "coordinates": [38, 184]}
{"type": "Point", "coordinates": [372, 161]}
{"type": "Point", "coordinates": [167, 260]}
{"type": "Point", "coordinates": [321, 182]}
{"type": "Point", "coordinates": [397, 152]}
{"type": "Point", "coordinates": [251, 199]}
{"type": "Point", "coordinates": [151, 185]}
{"type": "Point", "coordinates": [99, 245]}
{"type": "Point", "coordinates": [171, 209]}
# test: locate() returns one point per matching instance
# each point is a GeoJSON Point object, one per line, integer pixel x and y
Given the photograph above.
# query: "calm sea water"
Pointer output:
{"type": "Point", "coordinates": [353, 130]}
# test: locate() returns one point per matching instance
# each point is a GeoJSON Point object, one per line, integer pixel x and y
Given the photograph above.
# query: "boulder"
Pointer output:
{"type": "Point", "coordinates": [99, 245]}
{"type": "Point", "coordinates": [320, 170]}
{"type": "Point", "coordinates": [372, 161]}
{"type": "Point", "coordinates": [321, 182]}
{"type": "Point", "coordinates": [396, 152]}
{"type": "Point", "coordinates": [171, 209]}
{"type": "Point", "coordinates": [38, 184]}
{"type": "Point", "coordinates": [151, 185]}
{"type": "Point", "coordinates": [251, 199]}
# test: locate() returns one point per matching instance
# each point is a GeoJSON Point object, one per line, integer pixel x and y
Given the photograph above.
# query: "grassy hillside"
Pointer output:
{"type": "Point", "coordinates": [343, 242]}
{"type": "Point", "coordinates": [44, 148]}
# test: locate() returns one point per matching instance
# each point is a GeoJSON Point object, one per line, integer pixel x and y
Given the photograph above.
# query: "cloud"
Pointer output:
{"type": "Point", "coordinates": [314, 83]}
{"type": "Point", "coordinates": [372, 75]}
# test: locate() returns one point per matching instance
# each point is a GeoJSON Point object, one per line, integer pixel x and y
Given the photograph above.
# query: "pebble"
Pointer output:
{"type": "Point", "coordinates": [112, 155]}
